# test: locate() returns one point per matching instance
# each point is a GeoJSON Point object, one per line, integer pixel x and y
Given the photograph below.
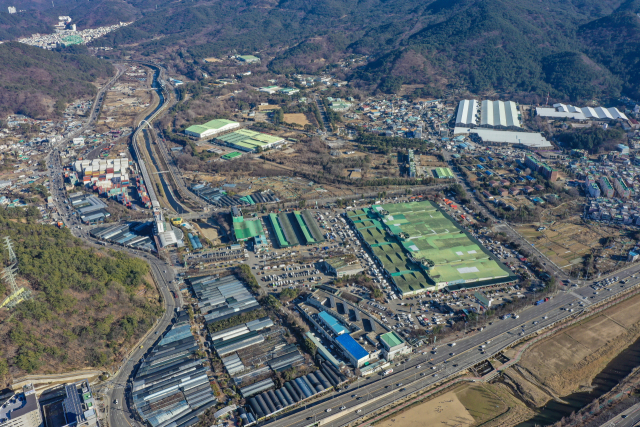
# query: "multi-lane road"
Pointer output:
{"type": "Point", "coordinates": [366, 395]}
{"type": "Point", "coordinates": [430, 369]}
{"type": "Point", "coordinates": [163, 274]}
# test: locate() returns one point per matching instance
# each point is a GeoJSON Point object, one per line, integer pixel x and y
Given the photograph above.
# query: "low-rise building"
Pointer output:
{"type": "Point", "coordinates": [211, 128]}
{"type": "Point", "coordinates": [393, 345]}
{"type": "Point", "coordinates": [340, 267]}
{"type": "Point", "coordinates": [353, 351]}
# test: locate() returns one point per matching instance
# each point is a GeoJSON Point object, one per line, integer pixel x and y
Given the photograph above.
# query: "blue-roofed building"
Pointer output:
{"type": "Point", "coordinates": [356, 354]}
{"type": "Point", "coordinates": [332, 323]}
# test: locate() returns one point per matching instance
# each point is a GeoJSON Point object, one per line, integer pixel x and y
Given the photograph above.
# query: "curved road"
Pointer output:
{"type": "Point", "coordinates": [163, 275]}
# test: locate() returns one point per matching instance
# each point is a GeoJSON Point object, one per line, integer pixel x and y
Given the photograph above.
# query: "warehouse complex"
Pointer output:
{"type": "Point", "coordinates": [171, 386]}
{"type": "Point", "coordinates": [295, 228]}
{"type": "Point", "coordinates": [493, 114]}
{"type": "Point", "coordinates": [499, 114]}
{"type": "Point", "coordinates": [245, 228]}
{"type": "Point", "coordinates": [211, 128]}
{"type": "Point", "coordinates": [467, 113]}
{"type": "Point", "coordinates": [421, 248]}
{"type": "Point", "coordinates": [562, 111]}
{"type": "Point", "coordinates": [249, 140]}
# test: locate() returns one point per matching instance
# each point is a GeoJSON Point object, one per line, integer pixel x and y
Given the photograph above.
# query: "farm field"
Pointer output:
{"type": "Point", "coordinates": [297, 118]}
{"type": "Point", "coordinates": [567, 242]}
{"type": "Point", "coordinates": [464, 406]}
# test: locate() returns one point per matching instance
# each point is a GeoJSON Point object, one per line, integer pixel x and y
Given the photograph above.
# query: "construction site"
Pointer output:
{"type": "Point", "coordinates": [125, 103]}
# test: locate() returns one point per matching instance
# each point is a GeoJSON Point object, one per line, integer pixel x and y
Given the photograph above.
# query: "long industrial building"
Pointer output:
{"type": "Point", "coordinates": [421, 248]}
{"type": "Point", "coordinates": [562, 111]}
{"type": "Point", "coordinates": [294, 228]}
{"type": "Point", "coordinates": [171, 387]}
{"type": "Point", "coordinates": [221, 298]}
{"type": "Point", "coordinates": [263, 402]}
{"type": "Point", "coordinates": [467, 113]}
{"type": "Point", "coordinates": [211, 128]}
{"type": "Point", "coordinates": [499, 114]}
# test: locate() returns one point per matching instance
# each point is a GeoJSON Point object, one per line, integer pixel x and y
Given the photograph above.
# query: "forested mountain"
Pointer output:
{"type": "Point", "coordinates": [574, 49]}
{"type": "Point", "coordinates": [87, 306]}
{"type": "Point", "coordinates": [36, 82]}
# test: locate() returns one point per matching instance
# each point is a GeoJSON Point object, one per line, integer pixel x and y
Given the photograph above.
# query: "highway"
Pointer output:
{"type": "Point", "coordinates": [630, 417]}
{"type": "Point", "coordinates": [366, 395]}
{"type": "Point", "coordinates": [431, 369]}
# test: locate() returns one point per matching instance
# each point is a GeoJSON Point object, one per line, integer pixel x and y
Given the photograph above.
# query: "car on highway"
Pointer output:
{"type": "Point", "coordinates": [358, 411]}
{"type": "Point", "coordinates": [398, 385]}
{"type": "Point", "coordinates": [419, 366]}
{"type": "Point", "coordinates": [451, 354]}
{"type": "Point", "coordinates": [342, 408]}
{"type": "Point", "coordinates": [328, 409]}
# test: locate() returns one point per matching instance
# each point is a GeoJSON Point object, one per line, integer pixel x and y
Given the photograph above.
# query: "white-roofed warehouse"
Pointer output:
{"type": "Point", "coordinates": [577, 113]}
{"type": "Point", "coordinates": [499, 114]}
{"type": "Point", "coordinates": [467, 112]}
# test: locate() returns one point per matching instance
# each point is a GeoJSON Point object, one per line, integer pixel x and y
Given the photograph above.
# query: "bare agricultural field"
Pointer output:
{"type": "Point", "coordinates": [564, 243]}
{"type": "Point", "coordinates": [297, 118]}
{"type": "Point", "coordinates": [465, 405]}
{"type": "Point", "coordinates": [125, 101]}
{"type": "Point", "coordinates": [443, 410]}
{"type": "Point", "coordinates": [571, 358]}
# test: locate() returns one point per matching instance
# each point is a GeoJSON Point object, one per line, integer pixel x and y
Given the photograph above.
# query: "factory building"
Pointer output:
{"type": "Point", "coordinates": [353, 351]}
{"type": "Point", "coordinates": [211, 128]}
{"type": "Point", "coordinates": [340, 268]}
{"type": "Point", "coordinates": [467, 113]}
{"type": "Point", "coordinates": [333, 324]}
{"type": "Point", "coordinates": [249, 140]}
{"type": "Point", "coordinates": [499, 114]}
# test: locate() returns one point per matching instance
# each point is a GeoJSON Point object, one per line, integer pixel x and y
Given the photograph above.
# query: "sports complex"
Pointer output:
{"type": "Point", "coordinates": [421, 248]}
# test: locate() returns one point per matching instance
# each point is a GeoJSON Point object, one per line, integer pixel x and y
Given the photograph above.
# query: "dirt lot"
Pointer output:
{"type": "Point", "coordinates": [464, 405]}
{"type": "Point", "coordinates": [297, 118]}
{"type": "Point", "coordinates": [570, 359]}
{"type": "Point", "coordinates": [208, 231]}
{"type": "Point", "coordinates": [126, 100]}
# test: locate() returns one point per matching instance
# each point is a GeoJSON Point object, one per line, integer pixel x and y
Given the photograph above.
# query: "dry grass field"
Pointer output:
{"type": "Point", "coordinates": [465, 405]}
{"type": "Point", "coordinates": [563, 243]}
{"type": "Point", "coordinates": [297, 118]}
